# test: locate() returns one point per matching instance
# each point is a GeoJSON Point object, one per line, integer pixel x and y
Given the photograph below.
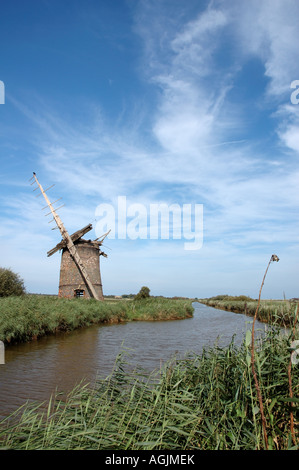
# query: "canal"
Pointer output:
{"type": "Point", "coordinates": [33, 371]}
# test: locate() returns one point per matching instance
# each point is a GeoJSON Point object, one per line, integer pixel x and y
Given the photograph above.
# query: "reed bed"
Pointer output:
{"type": "Point", "coordinates": [32, 316]}
{"type": "Point", "coordinates": [204, 401]}
{"type": "Point", "coordinates": [279, 312]}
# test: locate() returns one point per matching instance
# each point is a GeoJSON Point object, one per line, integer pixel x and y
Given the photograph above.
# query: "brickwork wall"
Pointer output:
{"type": "Point", "coordinates": [70, 275]}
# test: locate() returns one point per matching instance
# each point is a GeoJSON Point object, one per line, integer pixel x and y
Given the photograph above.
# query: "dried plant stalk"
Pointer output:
{"type": "Point", "coordinates": [258, 390]}
{"type": "Point", "coordinates": [290, 381]}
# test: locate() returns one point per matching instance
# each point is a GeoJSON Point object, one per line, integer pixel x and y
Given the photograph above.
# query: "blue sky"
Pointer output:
{"type": "Point", "coordinates": [162, 102]}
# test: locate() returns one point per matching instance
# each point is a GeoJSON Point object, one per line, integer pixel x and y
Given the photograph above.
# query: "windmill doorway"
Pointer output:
{"type": "Point", "coordinates": [79, 293]}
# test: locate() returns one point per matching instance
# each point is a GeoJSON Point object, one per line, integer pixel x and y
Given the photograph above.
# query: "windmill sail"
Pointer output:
{"type": "Point", "coordinates": [68, 242]}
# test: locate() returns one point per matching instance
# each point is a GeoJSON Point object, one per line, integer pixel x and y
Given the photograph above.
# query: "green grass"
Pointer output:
{"type": "Point", "coordinates": [205, 401]}
{"type": "Point", "coordinates": [274, 312]}
{"type": "Point", "coordinates": [32, 316]}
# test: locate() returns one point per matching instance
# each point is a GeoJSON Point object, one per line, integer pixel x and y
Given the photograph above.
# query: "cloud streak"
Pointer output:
{"type": "Point", "coordinates": [191, 143]}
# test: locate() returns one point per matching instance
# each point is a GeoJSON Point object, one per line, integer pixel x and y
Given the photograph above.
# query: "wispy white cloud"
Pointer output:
{"type": "Point", "coordinates": [268, 30]}
{"type": "Point", "coordinates": [191, 142]}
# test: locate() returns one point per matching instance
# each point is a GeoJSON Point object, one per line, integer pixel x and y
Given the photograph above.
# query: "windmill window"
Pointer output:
{"type": "Point", "coordinates": [79, 293]}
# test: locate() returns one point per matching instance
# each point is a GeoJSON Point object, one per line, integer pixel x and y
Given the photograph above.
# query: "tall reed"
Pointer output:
{"type": "Point", "coordinates": [32, 316]}
{"type": "Point", "coordinates": [278, 312]}
{"type": "Point", "coordinates": [205, 401]}
{"type": "Point", "coordinates": [290, 379]}
{"type": "Point", "coordinates": [273, 258]}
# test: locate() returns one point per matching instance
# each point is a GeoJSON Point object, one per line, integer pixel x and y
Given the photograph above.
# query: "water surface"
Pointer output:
{"type": "Point", "coordinates": [32, 371]}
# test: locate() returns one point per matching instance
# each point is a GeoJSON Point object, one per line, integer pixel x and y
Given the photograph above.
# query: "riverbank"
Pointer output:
{"type": "Point", "coordinates": [273, 312]}
{"type": "Point", "coordinates": [201, 402]}
{"type": "Point", "coordinates": [30, 317]}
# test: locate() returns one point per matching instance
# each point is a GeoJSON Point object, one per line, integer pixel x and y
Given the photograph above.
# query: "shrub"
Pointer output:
{"type": "Point", "coordinates": [10, 283]}
{"type": "Point", "coordinates": [144, 293]}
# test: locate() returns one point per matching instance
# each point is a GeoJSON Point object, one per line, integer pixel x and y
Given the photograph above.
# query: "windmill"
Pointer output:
{"type": "Point", "coordinates": [80, 261]}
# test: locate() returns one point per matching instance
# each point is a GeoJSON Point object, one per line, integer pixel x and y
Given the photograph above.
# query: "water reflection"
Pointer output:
{"type": "Point", "coordinates": [34, 370]}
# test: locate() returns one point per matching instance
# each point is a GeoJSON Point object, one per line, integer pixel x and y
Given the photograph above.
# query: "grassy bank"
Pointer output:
{"type": "Point", "coordinates": [205, 401]}
{"type": "Point", "coordinates": [32, 316]}
{"type": "Point", "coordinates": [274, 312]}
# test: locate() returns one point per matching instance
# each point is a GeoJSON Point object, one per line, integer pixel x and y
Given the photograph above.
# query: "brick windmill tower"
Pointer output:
{"type": "Point", "coordinates": [80, 274]}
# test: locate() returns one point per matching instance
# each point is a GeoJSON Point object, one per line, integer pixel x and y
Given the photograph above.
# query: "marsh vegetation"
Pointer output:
{"type": "Point", "coordinates": [205, 401]}
{"type": "Point", "coordinates": [28, 317]}
{"type": "Point", "coordinates": [274, 312]}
